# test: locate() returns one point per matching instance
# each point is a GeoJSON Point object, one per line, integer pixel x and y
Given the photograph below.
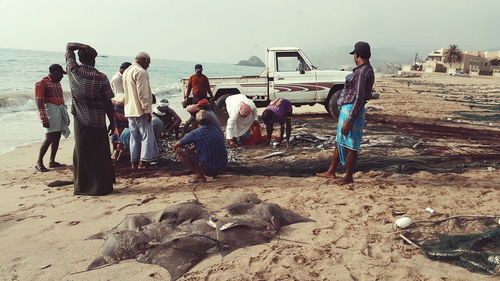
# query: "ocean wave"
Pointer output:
{"type": "Point", "coordinates": [21, 101]}
{"type": "Point", "coordinates": [168, 91]}
{"type": "Point", "coordinates": [15, 101]}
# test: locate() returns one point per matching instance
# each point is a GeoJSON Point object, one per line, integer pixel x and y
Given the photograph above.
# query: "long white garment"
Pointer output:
{"type": "Point", "coordinates": [117, 83]}
{"type": "Point", "coordinates": [236, 124]}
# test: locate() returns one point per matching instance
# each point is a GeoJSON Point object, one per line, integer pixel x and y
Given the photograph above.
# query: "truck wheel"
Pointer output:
{"type": "Point", "coordinates": [220, 108]}
{"type": "Point", "coordinates": [332, 106]}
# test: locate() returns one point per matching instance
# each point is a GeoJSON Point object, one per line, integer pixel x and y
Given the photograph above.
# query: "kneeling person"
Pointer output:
{"type": "Point", "coordinates": [278, 111]}
{"type": "Point", "coordinates": [165, 120]}
{"type": "Point", "coordinates": [209, 155]}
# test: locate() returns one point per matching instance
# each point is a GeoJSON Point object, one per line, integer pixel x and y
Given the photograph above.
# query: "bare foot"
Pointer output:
{"type": "Point", "coordinates": [344, 181]}
{"type": "Point", "coordinates": [143, 165]}
{"type": "Point", "coordinates": [326, 175]}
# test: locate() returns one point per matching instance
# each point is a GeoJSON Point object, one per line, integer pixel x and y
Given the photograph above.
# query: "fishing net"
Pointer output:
{"type": "Point", "coordinates": [471, 243]}
{"type": "Point", "coordinates": [477, 252]}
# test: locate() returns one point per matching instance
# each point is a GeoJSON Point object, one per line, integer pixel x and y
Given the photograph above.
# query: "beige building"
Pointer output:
{"type": "Point", "coordinates": [473, 62]}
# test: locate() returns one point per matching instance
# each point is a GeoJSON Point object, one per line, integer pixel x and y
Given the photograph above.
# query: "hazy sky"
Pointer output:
{"type": "Point", "coordinates": [230, 30]}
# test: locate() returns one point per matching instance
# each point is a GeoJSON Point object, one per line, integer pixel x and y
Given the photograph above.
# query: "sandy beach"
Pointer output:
{"type": "Point", "coordinates": [431, 141]}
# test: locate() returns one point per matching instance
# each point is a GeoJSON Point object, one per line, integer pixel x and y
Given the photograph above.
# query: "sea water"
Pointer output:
{"type": "Point", "coordinates": [21, 69]}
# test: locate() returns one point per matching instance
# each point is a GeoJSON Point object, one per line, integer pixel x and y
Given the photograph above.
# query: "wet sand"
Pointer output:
{"type": "Point", "coordinates": [429, 142]}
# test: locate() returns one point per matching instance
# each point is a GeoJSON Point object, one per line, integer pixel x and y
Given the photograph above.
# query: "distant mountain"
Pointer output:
{"type": "Point", "coordinates": [252, 61]}
{"type": "Point", "coordinates": [493, 49]}
{"type": "Point", "coordinates": [385, 60]}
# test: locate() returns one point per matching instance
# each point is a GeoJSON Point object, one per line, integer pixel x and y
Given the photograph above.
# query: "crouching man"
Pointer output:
{"type": "Point", "coordinates": [208, 157]}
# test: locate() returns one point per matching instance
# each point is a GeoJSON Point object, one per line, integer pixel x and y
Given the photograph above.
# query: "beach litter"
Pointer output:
{"type": "Point", "coordinates": [403, 222]}
{"type": "Point", "coordinates": [429, 210]}
{"type": "Point", "coordinates": [274, 154]}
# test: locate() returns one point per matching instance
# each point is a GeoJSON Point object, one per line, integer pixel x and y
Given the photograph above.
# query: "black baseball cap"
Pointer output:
{"type": "Point", "coordinates": [362, 48]}
{"type": "Point", "coordinates": [198, 67]}
{"type": "Point", "coordinates": [56, 68]}
{"type": "Point", "coordinates": [125, 65]}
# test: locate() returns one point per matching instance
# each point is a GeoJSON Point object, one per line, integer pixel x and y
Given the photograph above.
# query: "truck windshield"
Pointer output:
{"type": "Point", "coordinates": [290, 62]}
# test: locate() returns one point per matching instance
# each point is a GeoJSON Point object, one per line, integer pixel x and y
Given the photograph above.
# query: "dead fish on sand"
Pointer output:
{"type": "Point", "coordinates": [181, 235]}
{"type": "Point", "coordinates": [274, 154]}
{"type": "Point", "coordinates": [316, 140]}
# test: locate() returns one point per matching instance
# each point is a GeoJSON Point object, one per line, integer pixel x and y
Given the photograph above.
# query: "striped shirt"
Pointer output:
{"type": "Point", "coordinates": [357, 89]}
{"type": "Point", "coordinates": [47, 91]}
{"type": "Point", "coordinates": [90, 91]}
{"type": "Point", "coordinates": [121, 121]}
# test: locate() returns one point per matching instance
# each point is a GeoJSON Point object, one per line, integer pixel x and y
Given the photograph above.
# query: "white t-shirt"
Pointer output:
{"type": "Point", "coordinates": [117, 83]}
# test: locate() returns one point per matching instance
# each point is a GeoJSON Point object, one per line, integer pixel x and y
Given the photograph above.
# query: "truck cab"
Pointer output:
{"type": "Point", "coordinates": [292, 76]}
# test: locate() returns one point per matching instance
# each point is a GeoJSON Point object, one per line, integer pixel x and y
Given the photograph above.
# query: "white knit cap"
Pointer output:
{"type": "Point", "coordinates": [158, 112]}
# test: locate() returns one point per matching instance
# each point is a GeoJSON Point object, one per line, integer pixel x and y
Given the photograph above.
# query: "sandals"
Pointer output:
{"type": "Point", "coordinates": [55, 165]}
{"type": "Point", "coordinates": [193, 180]}
{"type": "Point", "coordinates": [41, 168]}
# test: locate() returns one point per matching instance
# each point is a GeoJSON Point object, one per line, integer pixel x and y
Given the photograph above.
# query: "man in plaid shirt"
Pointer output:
{"type": "Point", "coordinates": [91, 94]}
{"type": "Point", "coordinates": [50, 101]}
{"type": "Point", "coordinates": [208, 157]}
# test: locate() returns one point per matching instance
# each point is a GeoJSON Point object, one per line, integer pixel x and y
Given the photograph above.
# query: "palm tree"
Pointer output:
{"type": "Point", "coordinates": [453, 54]}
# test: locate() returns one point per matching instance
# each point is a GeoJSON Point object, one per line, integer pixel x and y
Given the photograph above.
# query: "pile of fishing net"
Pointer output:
{"type": "Point", "coordinates": [471, 242]}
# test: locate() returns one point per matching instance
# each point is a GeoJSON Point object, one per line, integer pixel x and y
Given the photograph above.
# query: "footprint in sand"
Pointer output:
{"type": "Point", "coordinates": [73, 223]}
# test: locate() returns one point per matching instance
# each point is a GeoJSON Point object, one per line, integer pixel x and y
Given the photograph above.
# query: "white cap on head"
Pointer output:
{"type": "Point", "coordinates": [158, 112]}
{"type": "Point", "coordinates": [163, 102]}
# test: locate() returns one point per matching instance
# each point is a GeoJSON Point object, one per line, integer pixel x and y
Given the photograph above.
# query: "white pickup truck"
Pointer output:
{"type": "Point", "coordinates": [288, 74]}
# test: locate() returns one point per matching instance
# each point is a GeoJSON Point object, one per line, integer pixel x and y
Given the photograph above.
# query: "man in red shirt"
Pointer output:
{"type": "Point", "coordinates": [53, 114]}
{"type": "Point", "coordinates": [200, 86]}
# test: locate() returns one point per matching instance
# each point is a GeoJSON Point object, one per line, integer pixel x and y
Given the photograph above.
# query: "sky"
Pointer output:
{"type": "Point", "coordinates": [227, 31]}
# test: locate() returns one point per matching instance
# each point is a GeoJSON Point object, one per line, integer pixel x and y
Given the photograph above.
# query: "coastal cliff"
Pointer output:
{"type": "Point", "coordinates": [252, 61]}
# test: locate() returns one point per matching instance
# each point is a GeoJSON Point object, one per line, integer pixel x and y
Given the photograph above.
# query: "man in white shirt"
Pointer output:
{"type": "Point", "coordinates": [138, 109]}
{"type": "Point", "coordinates": [116, 81]}
{"type": "Point", "coordinates": [242, 115]}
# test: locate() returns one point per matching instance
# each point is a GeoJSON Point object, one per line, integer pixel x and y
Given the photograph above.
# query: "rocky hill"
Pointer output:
{"type": "Point", "coordinates": [252, 61]}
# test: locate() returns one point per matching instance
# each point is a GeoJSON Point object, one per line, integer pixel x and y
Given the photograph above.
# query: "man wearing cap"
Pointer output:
{"type": "Point", "coordinates": [199, 85]}
{"type": "Point", "coordinates": [91, 94]}
{"type": "Point", "coordinates": [208, 157]}
{"type": "Point", "coordinates": [165, 120]}
{"type": "Point", "coordinates": [138, 110]}
{"type": "Point", "coordinates": [53, 114]}
{"type": "Point", "coordinates": [191, 123]}
{"type": "Point", "coordinates": [242, 115]}
{"type": "Point", "coordinates": [278, 111]}
{"type": "Point", "coordinates": [357, 91]}
{"type": "Point", "coordinates": [213, 120]}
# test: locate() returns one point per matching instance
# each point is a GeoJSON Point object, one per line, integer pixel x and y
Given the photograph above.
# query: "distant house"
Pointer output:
{"type": "Point", "coordinates": [473, 62]}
